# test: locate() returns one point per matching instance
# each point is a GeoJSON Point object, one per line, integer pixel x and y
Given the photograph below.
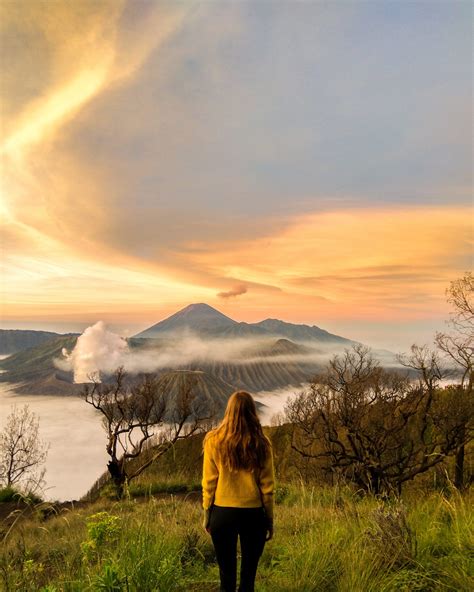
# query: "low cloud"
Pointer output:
{"type": "Point", "coordinates": [236, 291]}
{"type": "Point", "coordinates": [99, 351]}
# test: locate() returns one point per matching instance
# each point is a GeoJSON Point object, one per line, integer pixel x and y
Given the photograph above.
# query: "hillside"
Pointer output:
{"type": "Point", "coordinates": [34, 372]}
{"type": "Point", "coordinates": [15, 340]}
{"type": "Point", "coordinates": [212, 392]}
{"type": "Point", "coordinates": [327, 537]}
{"type": "Point", "coordinates": [181, 466]}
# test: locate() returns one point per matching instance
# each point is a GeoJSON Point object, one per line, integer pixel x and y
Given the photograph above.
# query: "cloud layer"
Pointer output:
{"type": "Point", "coordinates": [100, 350]}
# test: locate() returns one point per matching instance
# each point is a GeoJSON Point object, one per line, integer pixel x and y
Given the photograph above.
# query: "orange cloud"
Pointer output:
{"type": "Point", "coordinates": [236, 291]}
{"type": "Point", "coordinates": [384, 263]}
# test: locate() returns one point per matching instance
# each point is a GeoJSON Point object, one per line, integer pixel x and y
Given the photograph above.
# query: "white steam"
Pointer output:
{"type": "Point", "coordinates": [97, 350]}
{"type": "Point", "coordinates": [100, 351]}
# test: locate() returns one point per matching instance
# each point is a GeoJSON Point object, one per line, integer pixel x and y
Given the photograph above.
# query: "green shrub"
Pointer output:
{"type": "Point", "coordinates": [10, 494]}
{"type": "Point", "coordinates": [110, 580]}
{"type": "Point", "coordinates": [102, 529]}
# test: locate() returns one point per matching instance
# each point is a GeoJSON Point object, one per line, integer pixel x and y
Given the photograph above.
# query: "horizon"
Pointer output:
{"type": "Point", "coordinates": [129, 330]}
{"type": "Point", "coordinates": [309, 162]}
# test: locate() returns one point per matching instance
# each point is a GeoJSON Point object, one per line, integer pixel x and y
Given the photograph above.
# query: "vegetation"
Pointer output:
{"type": "Point", "coordinates": [377, 427]}
{"type": "Point", "coordinates": [10, 494]}
{"type": "Point", "coordinates": [458, 346]}
{"type": "Point", "coordinates": [327, 539]}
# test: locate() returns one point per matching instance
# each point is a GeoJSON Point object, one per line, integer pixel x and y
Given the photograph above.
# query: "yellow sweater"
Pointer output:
{"type": "Point", "coordinates": [238, 489]}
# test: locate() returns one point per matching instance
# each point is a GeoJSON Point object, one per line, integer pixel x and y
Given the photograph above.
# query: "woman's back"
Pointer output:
{"type": "Point", "coordinates": [237, 486]}
{"type": "Point", "coordinates": [244, 488]}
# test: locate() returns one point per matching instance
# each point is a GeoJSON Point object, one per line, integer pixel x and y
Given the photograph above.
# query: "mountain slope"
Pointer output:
{"type": "Point", "coordinates": [15, 340]}
{"type": "Point", "coordinates": [281, 347]}
{"type": "Point", "coordinates": [211, 392]}
{"type": "Point", "coordinates": [200, 318]}
{"type": "Point", "coordinates": [35, 371]}
{"type": "Point", "coordinates": [206, 321]}
{"type": "Point", "coordinates": [262, 375]}
{"type": "Point", "coordinates": [300, 332]}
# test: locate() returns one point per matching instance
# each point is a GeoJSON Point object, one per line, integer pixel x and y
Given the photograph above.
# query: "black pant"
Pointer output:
{"type": "Point", "coordinates": [225, 525]}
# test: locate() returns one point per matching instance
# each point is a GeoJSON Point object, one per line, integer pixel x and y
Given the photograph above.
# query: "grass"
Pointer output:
{"type": "Point", "coordinates": [326, 540]}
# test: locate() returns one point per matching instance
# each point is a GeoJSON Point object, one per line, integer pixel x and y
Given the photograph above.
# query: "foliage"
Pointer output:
{"type": "Point", "coordinates": [102, 529]}
{"type": "Point", "coordinates": [110, 580]}
{"type": "Point", "coordinates": [390, 535]}
{"type": "Point", "coordinates": [10, 494]}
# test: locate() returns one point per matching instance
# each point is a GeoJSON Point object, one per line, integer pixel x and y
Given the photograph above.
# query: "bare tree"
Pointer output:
{"type": "Point", "coordinates": [375, 426]}
{"type": "Point", "coordinates": [141, 417]}
{"type": "Point", "coordinates": [460, 295]}
{"type": "Point", "coordinates": [458, 347]}
{"type": "Point", "coordinates": [22, 452]}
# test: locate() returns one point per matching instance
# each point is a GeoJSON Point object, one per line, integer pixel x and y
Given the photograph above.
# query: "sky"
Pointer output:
{"type": "Point", "coordinates": [304, 160]}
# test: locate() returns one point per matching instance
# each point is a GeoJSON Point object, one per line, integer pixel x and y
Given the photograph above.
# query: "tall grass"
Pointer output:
{"type": "Point", "coordinates": [326, 539]}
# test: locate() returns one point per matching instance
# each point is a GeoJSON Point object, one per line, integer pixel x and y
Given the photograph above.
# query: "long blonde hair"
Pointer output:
{"type": "Point", "coordinates": [240, 440]}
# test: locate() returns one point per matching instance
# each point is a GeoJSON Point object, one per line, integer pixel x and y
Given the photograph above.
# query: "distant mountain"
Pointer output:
{"type": "Point", "coordinates": [300, 332]}
{"type": "Point", "coordinates": [202, 320]}
{"type": "Point", "coordinates": [272, 355]}
{"type": "Point", "coordinates": [15, 340]}
{"type": "Point", "coordinates": [206, 321]}
{"type": "Point", "coordinates": [271, 348]}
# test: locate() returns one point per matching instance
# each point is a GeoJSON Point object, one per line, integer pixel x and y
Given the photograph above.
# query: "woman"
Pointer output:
{"type": "Point", "coordinates": [237, 485]}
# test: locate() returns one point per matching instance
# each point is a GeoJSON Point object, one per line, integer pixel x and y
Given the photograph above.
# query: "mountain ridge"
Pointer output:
{"type": "Point", "coordinates": [205, 320]}
{"type": "Point", "coordinates": [16, 340]}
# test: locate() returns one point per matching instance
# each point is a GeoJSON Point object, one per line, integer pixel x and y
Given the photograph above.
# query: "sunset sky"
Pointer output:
{"type": "Point", "coordinates": [309, 161]}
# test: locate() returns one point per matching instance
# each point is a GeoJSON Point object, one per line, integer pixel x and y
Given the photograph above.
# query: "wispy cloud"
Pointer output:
{"type": "Point", "coordinates": [236, 291]}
